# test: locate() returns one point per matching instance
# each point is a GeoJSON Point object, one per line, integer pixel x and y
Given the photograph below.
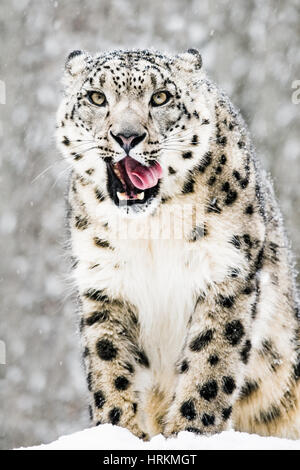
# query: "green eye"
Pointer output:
{"type": "Point", "coordinates": [160, 98]}
{"type": "Point", "coordinates": [97, 98]}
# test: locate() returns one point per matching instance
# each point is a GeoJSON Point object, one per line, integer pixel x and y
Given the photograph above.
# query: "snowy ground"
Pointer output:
{"type": "Point", "coordinates": [108, 437]}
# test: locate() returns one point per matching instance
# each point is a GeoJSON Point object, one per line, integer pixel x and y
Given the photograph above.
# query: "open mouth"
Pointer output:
{"type": "Point", "coordinates": [130, 182]}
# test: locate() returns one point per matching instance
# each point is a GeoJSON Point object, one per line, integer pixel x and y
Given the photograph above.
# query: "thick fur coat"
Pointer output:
{"type": "Point", "coordinates": [189, 312]}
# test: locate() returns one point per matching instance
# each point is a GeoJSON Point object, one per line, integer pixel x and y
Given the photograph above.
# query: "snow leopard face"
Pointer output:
{"type": "Point", "coordinates": [134, 124]}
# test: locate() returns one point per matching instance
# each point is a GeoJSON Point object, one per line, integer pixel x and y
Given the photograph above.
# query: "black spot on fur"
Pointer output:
{"type": "Point", "coordinates": [226, 412]}
{"type": "Point", "coordinates": [248, 290]}
{"type": "Point", "coordinates": [142, 359]}
{"type": "Point", "coordinates": [234, 272]}
{"type": "Point", "coordinates": [122, 383]}
{"type": "Point", "coordinates": [249, 210]}
{"type": "Point", "coordinates": [102, 243]}
{"type": "Point", "coordinates": [244, 183]}
{"type": "Point", "coordinates": [65, 141]}
{"type": "Point", "coordinates": [187, 410]}
{"type": "Point", "coordinates": [248, 388]}
{"type": "Point", "coordinates": [96, 295]}
{"type": "Point", "coordinates": [269, 415]}
{"type": "Point", "coordinates": [226, 187]}
{"type": "Point", "coordinates": [99, 195]}
{"type": "Point", "coordinates": [106, 350]}
{"type": "Point", "coordinates": [91, 413]}
{"type": "Point", "coordinates": [194, 140]}
{"type": "Point", "coordinates": [184, 367]}
{"type": "Point", "coordinates": [211, 181]}
{"type": "Point", "coordinates": [213, 359]}
{"type": "Point", "coordinates": [205, 162]}
{"type": "Point", "coordinates": [86, 352]}
{"type": "Point", "coordinates": [171, 170]}
{"type": "Point", "coordinates": [271, 354]}
{"type": "Point", "coordinates": [222, 140]}
{"type": "Point", "coordinates": [81, 222]}
{"type": "Point", "coordinates": [187, 155]}
{"type": "Point", "coordinates": [231, 197]}
{"type": "Point", "coordinates": [223, 159]}
{"type": "Point", "coordinates": [234, 331]}
{"type": "Point", "coordinates": [235, 240]}
{"type": "Point", "coordinates": [81, 324]}
{"type": "Point", "coordinates": [129, 367]}
{"type": "Point", "coordinates": [134, 407]}
{"type": "Point", "coordinates": [89, 381]}
{"type": "Point", "coordinates": [73, 54]}
{"type": "Point", "coordinates": [237, 175]}
{"type": "Point", "coordinates": [97, 317]}
{"type": "Point", "coordinates": [188, 186]}
{"type": "Point", "coordinates": [201, 341]}
{"type": "Point", "coordinates": [226, 302]}
{"type": "Point", "coordinates": [165, 199]}
{"type": "Point", "coordinates": [247, 240]}
{"type": "Point", "coordinates": [115, 415]}
{"type": "Point", "coordinates": [209, 390]}
{"type": "Point", "coordinates": [208, 420]}
{"type": "Point", "coordinates": [245, 352]}
{"type": "Point", "coordinates": [228, 385]}
{"type": "Point", "coordinates": [259, 260]}
{"type": "Point", "coordinates": [99, 399]}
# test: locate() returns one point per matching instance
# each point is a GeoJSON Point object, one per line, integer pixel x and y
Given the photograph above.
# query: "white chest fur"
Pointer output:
{"type": "Point", "coordinates": [162, 279]}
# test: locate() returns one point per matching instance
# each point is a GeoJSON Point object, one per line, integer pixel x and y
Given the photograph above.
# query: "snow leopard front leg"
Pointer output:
{"type": "Point", "coordinates": [111, 355]}
{"type": "Point", "coordinates": [211, 369]}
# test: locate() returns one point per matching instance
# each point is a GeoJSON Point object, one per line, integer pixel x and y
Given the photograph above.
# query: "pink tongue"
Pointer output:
{"type": "Point", "coordinates": [142, 177]}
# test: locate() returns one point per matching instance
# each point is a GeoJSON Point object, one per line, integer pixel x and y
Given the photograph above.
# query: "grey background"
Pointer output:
{"type": "Point", "coordinates": [251, 48]}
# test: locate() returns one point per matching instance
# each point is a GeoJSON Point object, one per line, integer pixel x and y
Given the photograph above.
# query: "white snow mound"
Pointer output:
{"type": "Point", "coordinates": [109, 437]}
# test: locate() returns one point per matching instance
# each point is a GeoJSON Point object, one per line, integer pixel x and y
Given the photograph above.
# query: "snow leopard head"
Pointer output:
{"type": "Point", "coordinates": [134, 124]}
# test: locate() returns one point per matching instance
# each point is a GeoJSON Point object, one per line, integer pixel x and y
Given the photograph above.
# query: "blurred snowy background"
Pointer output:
{"type": "Point", "coordinates": [251, 48]}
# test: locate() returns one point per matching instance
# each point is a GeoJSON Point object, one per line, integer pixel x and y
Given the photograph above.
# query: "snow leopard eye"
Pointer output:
{"type": "Point", "coordinates": [159, 98]}
{"type": "Point", "coordinates": [97, 98]}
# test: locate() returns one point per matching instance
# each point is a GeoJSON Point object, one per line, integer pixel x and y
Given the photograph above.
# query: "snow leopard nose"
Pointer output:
{"type": "Point", "coordinates": [127, 142]}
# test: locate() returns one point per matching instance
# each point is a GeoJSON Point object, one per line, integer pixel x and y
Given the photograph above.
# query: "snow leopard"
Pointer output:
{"type": "Point", "coordinates": [188, 305]}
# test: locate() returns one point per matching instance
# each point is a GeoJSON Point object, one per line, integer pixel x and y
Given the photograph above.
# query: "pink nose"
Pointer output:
{"type": "Point", "coordinates": [129, 141]}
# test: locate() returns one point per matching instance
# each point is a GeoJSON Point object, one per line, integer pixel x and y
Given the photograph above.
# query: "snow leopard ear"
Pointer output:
{"type": "Point", "coordinates": [76, 62]}
{"type": "Point", "coordinates": [77, 65]}
{"type": "Point", "coordinates": [191, 60]}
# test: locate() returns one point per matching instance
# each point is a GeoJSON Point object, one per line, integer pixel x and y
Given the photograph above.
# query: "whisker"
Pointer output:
{"type": "Point", "coordinates": [43, 172]}
{"type": "Point", "coordinates": [177, 139]}
{"type": "Point", "coordinates": [59, 175]}
{"type": "Point", "coordinates": [183, 133]}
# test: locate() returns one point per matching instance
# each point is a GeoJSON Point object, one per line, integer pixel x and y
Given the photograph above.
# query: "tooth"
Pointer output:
{"type": "Point", "coordinates": [121, 196]}
{"type": "Point", "coordinates": [117, 172]}
{"type": "Point", "coordinates": [140, 196]}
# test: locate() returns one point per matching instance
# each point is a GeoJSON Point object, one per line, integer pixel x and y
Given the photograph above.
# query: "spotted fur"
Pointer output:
{"type": "Point", "coordinates": [196, 332]}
